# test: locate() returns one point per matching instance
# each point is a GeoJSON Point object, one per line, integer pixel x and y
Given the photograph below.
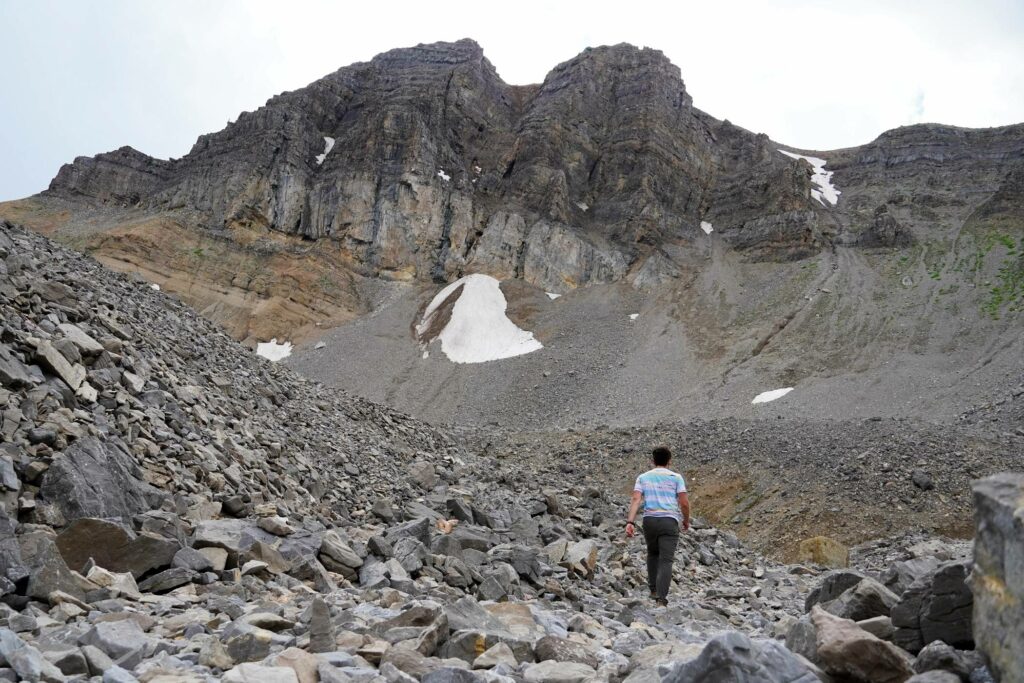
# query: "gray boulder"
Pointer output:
{"type": "Point", "coordinates": [937, 606]}
{"type": "Point", "coordinates": [940, 656]}
{"type": "Point", "coordinates": [998, 577]}
{"type": "Point", "coordinates": [845, 649]}
{"type": "Point", "coordinates": [867, 599]}
{"type": "Point", "coordinates": [832, 585]}
{"type": "Point", "coordinates": [735, 658]}
{"type": "Point", "coordinates": [96, 478]}
{"type": "Point", "coordinates": [114, 546]}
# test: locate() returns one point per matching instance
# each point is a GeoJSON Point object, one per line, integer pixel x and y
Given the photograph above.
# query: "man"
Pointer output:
{"type": "Point", "coordinates": [666, 511]}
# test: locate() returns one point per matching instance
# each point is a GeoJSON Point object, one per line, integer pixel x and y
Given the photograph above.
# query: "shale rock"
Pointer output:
{"type": "Point", "coordinates": [997, 581]}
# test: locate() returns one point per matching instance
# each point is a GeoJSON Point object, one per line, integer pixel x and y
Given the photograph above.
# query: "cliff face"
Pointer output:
{"type": "Point", "coordinates": [435, 167]}
{"type": "Point", "coordinates": [423, 165]}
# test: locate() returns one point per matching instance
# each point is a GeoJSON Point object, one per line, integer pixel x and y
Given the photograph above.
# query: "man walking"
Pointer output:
{"type": "Point", "coordinates": [666, 511]}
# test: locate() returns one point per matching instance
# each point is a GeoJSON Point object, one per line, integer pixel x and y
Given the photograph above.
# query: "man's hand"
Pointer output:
{"type": "Point", "coordinates": [685, 524]}
{"type": "Point", "coordinates": [630, 529]}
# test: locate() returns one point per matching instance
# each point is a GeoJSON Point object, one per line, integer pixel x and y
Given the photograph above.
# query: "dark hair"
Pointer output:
{"type": "Point", "coordinates": [661, 456]}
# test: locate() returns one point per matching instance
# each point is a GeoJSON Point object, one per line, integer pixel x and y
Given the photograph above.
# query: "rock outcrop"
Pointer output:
{"type": "Point", "coordinates": [998, 577]}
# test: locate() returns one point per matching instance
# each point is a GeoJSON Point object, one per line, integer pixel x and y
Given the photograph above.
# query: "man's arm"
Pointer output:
{"type": "Point", "coordinates": [634, 507]}
{"type": "Point", "coordinates": [684, 507]}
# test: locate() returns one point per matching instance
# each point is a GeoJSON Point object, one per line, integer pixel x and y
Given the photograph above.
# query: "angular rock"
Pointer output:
{"type": "Point", "coordinates": [48, 571]}
{"type": "Point", "coordinates": [564, 650]}
{"type": "Point", "coordinates": [867, 599]}
{"type": "Point", "coordinates": [824, 551]}
{"type": "Point", "coordinates": [258, 673]}
{"type": "Point", "coordinates": [940, 656]}
{"type": "Point", "coordinates": [335, 548]}
{"type": "Point", "coordinates": [168, 580]}
{"type": "Point", "coordinates": [997, 581]}
{"type": "Point", "coordinates": [114, 546]}
{"type": "Point", "coordinates": [116, 639]}
{"type": "Point", "coordinates": [95, 478]}
{"type": "Point", "coordinates": [322, 634]}
{"type": "Point", "coordinates": [736, 658]}
{"type": "Point", "coordinates": [936, 607]}
{"type": "Point", "coordinates": [499, 653]}
{"type": "Point", "coordinates": [558, 672]}
{"type": "Point", "coordinates": [72, 374]}
{"type": "Point", "coordinates": [848, 650]}
{"type": "Point", "coordinates": [85, 344]}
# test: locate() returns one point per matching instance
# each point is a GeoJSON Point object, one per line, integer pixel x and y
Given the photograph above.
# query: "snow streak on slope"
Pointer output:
{"type": "Point", "coordinates": [273, 351]}
{"type": "Point", "coordinates": [328, 146]}
{"type": "Point", "coordinates": [478, 329]}
{"type": "Point", "coordinates": [766, 396]}
{"type": "Point", "coordinates": [826, 191]}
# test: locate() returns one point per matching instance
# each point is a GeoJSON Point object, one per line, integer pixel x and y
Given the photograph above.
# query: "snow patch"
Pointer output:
{"type": "Point", "coordinates": [826, 191]}
{"type": "Point", "coordinates": [634, 316]}
{"type": "Point", "coordinates": [583, 206]}
{"type": "Point", "coordinates": [328, 146]}
{"type": "Point", "coordinates": [273, 351]}
{"type": "Point", "coordinates": [426, 355]}
{"type": "Point", "coordinates": [706, 227]}
{"type": "Point", "coordinates": [766, 396]}
{"type": "Point", "coordinates": [552, 295]}
{"type": "Point", "coordinates": [478, 330]}
{"type": "Point", "coordinates": [442, 175]}
{"type": "Point", "coordinates": [155, 287]}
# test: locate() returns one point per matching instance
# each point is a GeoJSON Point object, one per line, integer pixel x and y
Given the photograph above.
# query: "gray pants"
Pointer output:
{"type": "Point", "coordinates": [661, 534]}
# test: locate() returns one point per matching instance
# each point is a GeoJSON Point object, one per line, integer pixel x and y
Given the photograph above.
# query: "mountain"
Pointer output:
{"type": "Point", "coordinates": [885, 278]}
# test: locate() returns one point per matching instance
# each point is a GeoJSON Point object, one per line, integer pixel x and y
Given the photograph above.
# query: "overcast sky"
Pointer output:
{"type": "Point", "coordinates": [78, 78]}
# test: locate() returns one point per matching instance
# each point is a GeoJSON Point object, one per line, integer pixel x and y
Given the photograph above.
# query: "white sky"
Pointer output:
{"type": "Point", "coordinates": [78, 78]}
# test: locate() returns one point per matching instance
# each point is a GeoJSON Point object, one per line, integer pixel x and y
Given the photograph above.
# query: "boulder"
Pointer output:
{"type": "Point", "coordinates": [935, 677]}
{"type": "Point", "coordinates": [301, 662]}
{"type": "Point", "coordinates": [499, 653]}
{"type": "Point", "coordinates": [322, 634]}
{"type": "Point", "coordinates": [120, 583]}
{"type": "Point", "coordinates": [48, 571]}
{"type": "Point", "coordinates": [551, 671]}
{"type": "Point", "coordinates": [824, 551]}
{"type": "Point", "coordinates": [334, 548]}
{"type": "Point", "coordinates": [116, 639]}
{"type": "Point", "coordinates": [53, 360]}
{"type": "Point", "coordinates": [581, 557]}
{"type": "Point", "coordinates": [899, 576]}
{"type": "Point", "coordinates": [832, 585]}
{"type": "Point", "coordinates": [564, 650]}
{"type": "Point", "coordinates": [12, 567]}
{"type": "Point", "coordinates": [940, 656]}
{"type": "Point", "coordinates": [998, 578]}
{"type": "Point", "coordinates": [867, 599]}
{"type": "Point", "coordinates": [845, 649]}
{"type": "Point", "coordinates": [13, 372]}
{"type": "Point", "coordinates": [86, 345]}
{"type": "Point", "coordinates": [936, 607]}
{"type": "Point", "coordinates": [95, 478]}
{"type": "Point", "coordinates": [418, 528]}
{"type": "Point", "coordinates": [114, 546]}
{"type": "Point", "coordinates": [258, 673]}
{"type": "Point", "coordinates": [736, 658]}
{"type": "Point", "coordinates": [423, 475]}
{"type": "Point", "coordinates": [167, 580]}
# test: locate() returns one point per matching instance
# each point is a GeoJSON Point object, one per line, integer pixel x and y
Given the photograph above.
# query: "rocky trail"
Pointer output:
{"type": "Point", "coordinates": [176, 508]}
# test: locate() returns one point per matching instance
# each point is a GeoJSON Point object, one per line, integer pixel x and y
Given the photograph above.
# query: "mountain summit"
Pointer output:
{"type": "Point", "coordinates": [387, 179]}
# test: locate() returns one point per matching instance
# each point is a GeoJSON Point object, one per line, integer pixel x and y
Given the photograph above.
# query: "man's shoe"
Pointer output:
{"type": "Point", "coordinates": [654, 596]}
{"type": "Point", "coordinates": [661, 602]}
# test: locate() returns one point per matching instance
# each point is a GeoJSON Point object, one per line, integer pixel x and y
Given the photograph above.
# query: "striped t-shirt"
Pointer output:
{"type": "Point", "coordinates": [660, 488]}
